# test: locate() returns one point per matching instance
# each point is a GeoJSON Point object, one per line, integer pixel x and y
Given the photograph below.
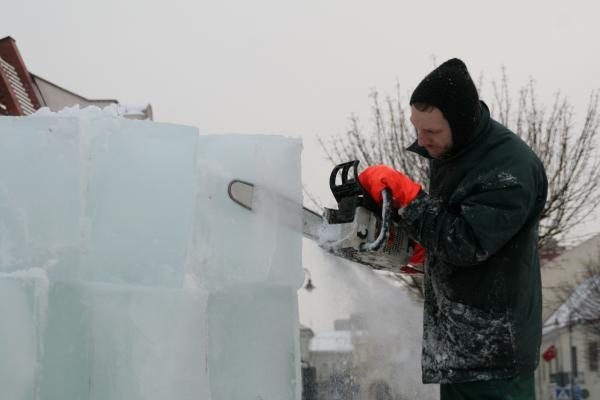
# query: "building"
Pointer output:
{"type": "Point", "coordinates": [353, 363]}
{"type": "Point", "coordinates": [570, 350]}
{"type": "Point", "coordinates": [567, 270]}
{"type": "Point", "coordinates": [306, 335]}
{"type": "Point", "coordinates": [22, 93]}
{"type": "Point", "coordinates": [571, 346]}
{"type": "Point", "coordinates": [331, 354]}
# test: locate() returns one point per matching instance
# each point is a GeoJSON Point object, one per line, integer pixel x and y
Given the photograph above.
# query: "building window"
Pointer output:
{"type": "Point", "coordinates": [593, 356]}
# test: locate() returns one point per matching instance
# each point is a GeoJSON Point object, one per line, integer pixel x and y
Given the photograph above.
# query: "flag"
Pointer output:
{"type": "Point", "coordinates": [550, 353]}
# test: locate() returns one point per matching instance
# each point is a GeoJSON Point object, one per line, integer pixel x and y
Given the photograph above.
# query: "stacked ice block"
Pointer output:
{"type": "Point", "coordinates": [127, 273]}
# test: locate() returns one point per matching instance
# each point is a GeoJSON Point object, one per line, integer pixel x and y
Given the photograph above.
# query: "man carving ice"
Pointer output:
{"type": "Point", "coordinates": [478, 222]}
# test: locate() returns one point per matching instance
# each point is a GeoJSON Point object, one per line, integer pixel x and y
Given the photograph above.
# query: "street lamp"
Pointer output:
{"type": "Point", "coordinates": [309, 287]}
{"type": "Point", "coordinates": [573, 353]}
{"type": "Point", "coordinates": [572, 380]}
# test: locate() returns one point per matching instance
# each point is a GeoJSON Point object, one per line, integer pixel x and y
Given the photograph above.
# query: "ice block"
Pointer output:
{"type": "Point", "coordinates": [139, 201]}
{"type": "Point", "coordinates": [108, 341]}
{"type": "Point", "coordinates": [40, 200]}
{"type": "Point", "coordinates": [253, 343]}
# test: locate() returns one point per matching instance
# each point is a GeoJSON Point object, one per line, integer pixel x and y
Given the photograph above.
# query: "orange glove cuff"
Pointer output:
{"type": "Point", "coordinates": [418, 255]}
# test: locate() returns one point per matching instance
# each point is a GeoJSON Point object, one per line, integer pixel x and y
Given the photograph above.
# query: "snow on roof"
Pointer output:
{"type": "Point", "coordinates": [77, 111]}
{"type": "Point", "coordinates": [332, 342]}
{"type": "Point", "coordinates": [111, 110]}
{"type": "Point", "coordinates": [133, 109]}
{"type": "Point", "coordinates": [583, 304]}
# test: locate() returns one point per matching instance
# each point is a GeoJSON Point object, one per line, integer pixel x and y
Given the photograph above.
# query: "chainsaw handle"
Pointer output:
{"type": "Point", "coordinates": [348, 185]}
{"type": "Point", "coordinates": [386, 216]}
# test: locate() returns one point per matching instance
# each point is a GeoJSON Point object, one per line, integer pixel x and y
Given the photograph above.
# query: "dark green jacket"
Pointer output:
{"type": "Point", "coordinates": [479, 224]}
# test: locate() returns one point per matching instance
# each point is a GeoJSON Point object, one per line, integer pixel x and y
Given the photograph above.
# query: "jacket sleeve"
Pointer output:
{"type": "Point", "coordinates": [492, 212]}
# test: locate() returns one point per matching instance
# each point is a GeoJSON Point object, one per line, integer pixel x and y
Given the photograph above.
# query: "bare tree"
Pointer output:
{"type": "Point", "coordinates": [384, 143]}
{"type": "Point", "coordinates": [569, 155]}
{"type": "Point", "coordinates": [568, 150]}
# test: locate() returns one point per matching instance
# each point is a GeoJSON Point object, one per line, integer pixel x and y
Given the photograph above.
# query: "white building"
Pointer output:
{"type": "Point", "coordinates": [570, 350]}
{"type": "Point", "coordinates": [331, 354]}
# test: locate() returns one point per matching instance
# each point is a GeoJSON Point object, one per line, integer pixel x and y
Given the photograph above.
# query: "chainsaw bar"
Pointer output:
{"type": "Point", "coordinates": [333, 237]}
{"type": "Point", "coordinates": [244, 193]}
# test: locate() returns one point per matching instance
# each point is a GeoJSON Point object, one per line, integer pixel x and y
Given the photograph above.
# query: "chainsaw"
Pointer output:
{"type": "Point", "coordinates": [359, 230]}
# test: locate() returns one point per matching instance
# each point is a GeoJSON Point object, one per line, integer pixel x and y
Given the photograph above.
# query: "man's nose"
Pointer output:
{"type": "Point", "coordinates": [420, 139]}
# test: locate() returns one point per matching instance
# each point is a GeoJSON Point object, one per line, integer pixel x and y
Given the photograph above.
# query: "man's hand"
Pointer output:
{"type": "Point", "coordinates": [378, 177]}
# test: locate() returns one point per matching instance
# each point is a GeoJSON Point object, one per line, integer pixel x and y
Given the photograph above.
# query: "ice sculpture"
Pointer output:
{"type": "Point", "coordinates": [125, 271]}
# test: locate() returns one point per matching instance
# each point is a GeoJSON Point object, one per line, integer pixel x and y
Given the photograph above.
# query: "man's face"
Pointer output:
{"type": "Point", "coordinates": [433, 131]}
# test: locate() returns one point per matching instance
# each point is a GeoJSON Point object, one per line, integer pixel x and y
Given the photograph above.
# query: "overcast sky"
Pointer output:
{"type": "Point", "coordinates": [297, 68]}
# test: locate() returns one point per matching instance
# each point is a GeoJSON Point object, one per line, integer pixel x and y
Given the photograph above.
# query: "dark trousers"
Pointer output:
{"type": "Point", "coordinates": [519, 388]}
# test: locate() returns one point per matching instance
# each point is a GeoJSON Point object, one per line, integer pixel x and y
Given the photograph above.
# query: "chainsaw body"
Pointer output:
{"type": "Point", "coordinates": [359, 229]}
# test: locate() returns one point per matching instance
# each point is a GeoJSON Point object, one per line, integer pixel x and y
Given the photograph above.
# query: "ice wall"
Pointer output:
{"type": "Point", "coordinates": [127, 273]}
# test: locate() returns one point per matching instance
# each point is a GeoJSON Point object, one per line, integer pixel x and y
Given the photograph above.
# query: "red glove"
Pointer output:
{"type": "Point", "coordinates": [378, 177]}
{"type": "Point", "coordinates": [416, 262]}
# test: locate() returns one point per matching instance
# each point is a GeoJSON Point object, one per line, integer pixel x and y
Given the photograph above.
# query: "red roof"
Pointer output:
{"type": "Point", "coordinates": [17, 96]}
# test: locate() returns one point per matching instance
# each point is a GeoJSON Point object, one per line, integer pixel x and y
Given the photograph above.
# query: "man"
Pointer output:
{"type": "Point", "coordinates": [479, 225]}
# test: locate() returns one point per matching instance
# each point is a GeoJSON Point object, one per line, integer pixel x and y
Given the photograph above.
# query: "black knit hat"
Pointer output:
{"type": "Point", "coordinates": [450, 88]}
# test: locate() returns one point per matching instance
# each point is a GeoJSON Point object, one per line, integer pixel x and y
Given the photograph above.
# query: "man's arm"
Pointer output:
{"type": "Point", "coordinates": [485, 221]}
